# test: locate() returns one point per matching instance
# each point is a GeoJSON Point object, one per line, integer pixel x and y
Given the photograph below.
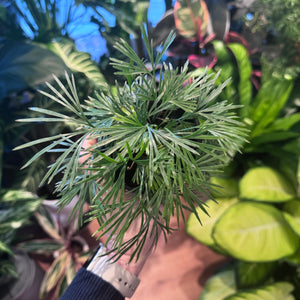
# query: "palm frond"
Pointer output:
{"type": "Point", "coordinates": [159, 140]}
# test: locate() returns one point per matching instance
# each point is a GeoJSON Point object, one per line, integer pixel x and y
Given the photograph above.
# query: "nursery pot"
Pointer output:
{"type": "Point", "coordinates": [27, 285]}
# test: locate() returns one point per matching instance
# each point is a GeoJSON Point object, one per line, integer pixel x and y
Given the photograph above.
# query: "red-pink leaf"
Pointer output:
{"type": "Point", "coordinates": [203, 60]}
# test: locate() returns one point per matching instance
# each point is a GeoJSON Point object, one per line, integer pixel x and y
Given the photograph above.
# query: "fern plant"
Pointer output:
{"type": "Point", "coordinates": [159, 137]}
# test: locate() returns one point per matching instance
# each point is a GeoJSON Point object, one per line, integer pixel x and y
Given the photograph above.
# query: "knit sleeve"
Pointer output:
{"type": "Point", "coordinates": [88, 286]}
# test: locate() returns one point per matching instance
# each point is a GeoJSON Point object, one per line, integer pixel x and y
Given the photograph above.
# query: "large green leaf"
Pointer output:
{"type": "Point", "coordinates": [24, 65]}
{"type": "Point", "coordinates": [253, 274]}
{"type": "Point", "coordinates": [203, 233]}
{"type": "Point", "coordinates": [226, 64]}
{"type": "Point", "coordinates": [245, 69]}
{"type": "Point", "coordinates": [293, 146]}
{"type": "Point", "coordinates": [219, 286]}
{"type": "Point", "coordinates": [265, 184]}
{"type": "Point", "coordinates": [268, 137]}
{"type": "Point", "coordinates": [269, 101]}
{"type": "Point", "coordinates": [276, 291]}
{"type": "Point", "coordinates": [78, 61]}
{"type": "Point", "coordinates": [255, 232]}
{"type": "Point", "coordinates": [284, 124]}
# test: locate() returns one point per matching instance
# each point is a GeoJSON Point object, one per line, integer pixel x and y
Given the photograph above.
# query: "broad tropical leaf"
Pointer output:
{"type": "Point", "coordinates": [226, 64]}
{"type": "Point", "coordinates": [202, 232]}
{"type": "Point", "coordinates": [78, 61]}
{"type": "Point", "coordinates": [267, 185]}
{"type": "Point", "coordinates": [244, 68]}
{"type": "Point", "coordinates": [24, 65]}
{"type": "Point", "coordinates": [255, 232]}
{"type": "Point", "coordinates": [278, 291]}
{"type": "Point", "coordinates": [271, 98]}
{"type": "Point", "coordinates": [219, 286]}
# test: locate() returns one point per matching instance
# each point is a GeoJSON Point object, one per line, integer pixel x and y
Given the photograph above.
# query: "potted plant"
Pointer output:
{"type": "Point", "coordinates": [158, 138]}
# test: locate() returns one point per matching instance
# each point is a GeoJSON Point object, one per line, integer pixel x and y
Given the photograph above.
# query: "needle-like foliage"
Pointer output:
{"type": "Point", "coordinates": [159, 136]}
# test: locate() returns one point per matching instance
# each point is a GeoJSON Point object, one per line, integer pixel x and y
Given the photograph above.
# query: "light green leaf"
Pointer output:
{"type": "Point", "coordinates": [269, 101]}
{"type": "Point", "coordinates": [294, 222]}
{"type": "Point", "coordinates": [285, 123]}
{"type": "Point", "coordinates": [278, 291]}
{"type": "Point", "coordinates": [219, 286]}
{"type": "Point", "coordinates": [224, 187]}
{"type": "Point", "coordinates": [255, 232]}
{"type": "Point", "coordinates": [265, 184]}
{"type": "Point", "coordinates": [226, 64]}
{"type": "Point", "coordinates": [244, 86]}
{"type": "Point", "coordinates": [203, 233]}
{"type": "Point", "coordinates": [274, 136]}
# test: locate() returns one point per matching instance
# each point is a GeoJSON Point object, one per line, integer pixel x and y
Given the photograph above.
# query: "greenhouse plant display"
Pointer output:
{"type": "Point", "coordinates": [64, 244]}
{"type": "Point", "coordinates": [158, 138]}
{"type": "Point", "coordinates": [256, 222]}
{"type": "Point", "coordinates": [256, 218]}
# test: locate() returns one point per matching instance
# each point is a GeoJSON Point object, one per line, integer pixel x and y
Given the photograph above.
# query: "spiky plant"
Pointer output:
{"type": "Point", "coordinates": [158, 138]}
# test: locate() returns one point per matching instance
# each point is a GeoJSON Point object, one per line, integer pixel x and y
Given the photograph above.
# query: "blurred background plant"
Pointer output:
{"type": "Point", "coordinates": [63, 243]}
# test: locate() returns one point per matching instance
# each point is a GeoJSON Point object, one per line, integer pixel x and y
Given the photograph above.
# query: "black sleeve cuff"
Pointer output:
{"type": "Point", "coordinates": [88, 286]}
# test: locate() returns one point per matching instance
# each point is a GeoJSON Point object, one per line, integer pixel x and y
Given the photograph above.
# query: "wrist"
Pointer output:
{"type": "Point", "coordinates": [117, 274]}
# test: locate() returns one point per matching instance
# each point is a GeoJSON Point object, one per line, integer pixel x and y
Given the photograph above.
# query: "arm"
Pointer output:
{"type": "Point", "coordinates": [89, 286]}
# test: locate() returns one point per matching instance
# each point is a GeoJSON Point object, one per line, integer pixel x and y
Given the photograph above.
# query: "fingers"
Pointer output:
{"type": "Point", "coordinates": [84, 154]}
